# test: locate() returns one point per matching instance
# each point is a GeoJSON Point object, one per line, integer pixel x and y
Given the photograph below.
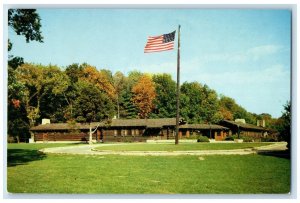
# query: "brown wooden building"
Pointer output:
{"type": "Point", "coordinates": [244, 129]}
{"type": "Point", "coordinates": [122, 130]}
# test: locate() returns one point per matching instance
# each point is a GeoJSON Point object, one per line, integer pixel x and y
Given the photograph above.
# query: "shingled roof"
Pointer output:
{"type": "Point", "coordinates": [203, 127]}
{"type": "Point", "coordinates": [244, 126]}
{"type": "Point", "coordinates": [147, 123]}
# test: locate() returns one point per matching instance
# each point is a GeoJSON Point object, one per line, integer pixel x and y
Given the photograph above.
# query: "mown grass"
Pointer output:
{"type": "Point", "coordinates": [111, 174]}
{"type": "Point", "coordinates": [180, 147]}
{"type": "Point", "coordinates": [22, 153]}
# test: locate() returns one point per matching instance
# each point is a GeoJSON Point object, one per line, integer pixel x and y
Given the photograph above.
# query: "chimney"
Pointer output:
{"type": "Point", "coordinates": [261, 123]}
{"type": "Point", "coordinates": [45, 121]}
{"type": "Point", "coordinates": [240, 120]}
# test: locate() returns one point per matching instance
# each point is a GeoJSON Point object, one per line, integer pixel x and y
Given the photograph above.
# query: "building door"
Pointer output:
{"type": "Point", "coordinates": [45, 137]}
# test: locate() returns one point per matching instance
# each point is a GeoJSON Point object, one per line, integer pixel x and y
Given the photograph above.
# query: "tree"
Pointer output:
{"type": "Point", "coordinates": [230, 110]}
{"type": "Point", "coordinates": [100, 79]}
{"type": "Point", "coordinates": [91, 105]}
{"type": "Point", "coordinates": [284, 124]}
{"type": "Point", "coordinates": [39, 81]}
{"type": "Point", "coordinates": [14, 62]}
{"type": "Point", "coordinates": [199, 104]}
{"type": "Point", "coordinates": [17, 121]}
{"type": "Point", "coordinates": [26, 22]}
{"type": "Point", "coordinates": [74, 73]}
{"type": "Point", "coordinates": [190, 102]}
{"type": "Point", "coordinates": [165, 101]}
{"type": "Point", "coordinates": [127, 107]}
{"type": "Point", "coordinates": [143, 96]}
{"type": "Point", "coordinates": [210, 106]}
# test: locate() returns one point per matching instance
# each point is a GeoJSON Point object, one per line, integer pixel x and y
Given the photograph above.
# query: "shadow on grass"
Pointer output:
{"type": "Point", "coordinates": [281, 154]}
{"type": "Point", "coordinates": [17, 157]}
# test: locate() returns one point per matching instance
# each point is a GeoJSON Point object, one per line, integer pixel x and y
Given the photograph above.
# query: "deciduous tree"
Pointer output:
{"type": "Point", "coordinates": [144, 95]}
{"type": "Point", "coordinates": [26, 22]}
{"type": "Point", "coordinates": [284, 124]}
{"type": "Point", "coordinates": [100, 79]}
{"type": "Point", "coordinates": [38, 81]}
{"type": "Point", "coordinates": [165, 101]}
{"type": "Point", "coordinates": [91, 105]}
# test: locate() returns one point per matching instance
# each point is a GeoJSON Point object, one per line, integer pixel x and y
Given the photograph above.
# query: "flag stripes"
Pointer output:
{"type": "Point", "coordinates": [160, 43]}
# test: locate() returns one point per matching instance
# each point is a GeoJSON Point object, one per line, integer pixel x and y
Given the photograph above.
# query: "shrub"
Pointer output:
{"type": "Point", "coordinates": [202, 139]}
{"type": "Point", "coordinates": [247, 139]}
{"type": "Point", "coordinates": [192, 137]}
{"type": "Point", "coordinates": [127, 139]}
{"type": "Point", "coordinates": [268, 139]}
{"type": "Point", "coordinates": [231, 138]}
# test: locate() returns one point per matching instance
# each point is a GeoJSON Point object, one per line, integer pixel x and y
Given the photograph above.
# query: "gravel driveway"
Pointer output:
{"type": "Point", "coordinates": [89, 150]}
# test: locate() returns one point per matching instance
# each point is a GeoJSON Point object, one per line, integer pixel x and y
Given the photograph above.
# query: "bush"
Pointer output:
{"type": "Point", "coordinates": [192, 137]}
{"type": "Point", "coordinates": [202, 139]}
{"type": "Point", "coordinates": [231, 138]}
{"type": "Point", "coordinates": [268, 139]}
{"type": "Point", "coordinates": [247, 139]}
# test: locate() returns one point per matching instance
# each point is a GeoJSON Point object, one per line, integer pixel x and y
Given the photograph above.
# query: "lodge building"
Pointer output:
{"type": "Point", "coordinates": [139, 130]}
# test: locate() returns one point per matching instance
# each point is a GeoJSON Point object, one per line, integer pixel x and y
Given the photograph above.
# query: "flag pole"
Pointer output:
{"type": "Point", "coordinates": [178, 88]}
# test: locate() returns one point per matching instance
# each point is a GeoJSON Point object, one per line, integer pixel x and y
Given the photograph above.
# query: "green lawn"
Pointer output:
{"type": "Point", "coordinates": [236, 174]}
{"type": "Point", "coordinates": [179, 147]}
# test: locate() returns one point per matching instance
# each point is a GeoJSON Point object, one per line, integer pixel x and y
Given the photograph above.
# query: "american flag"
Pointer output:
{"type": "Point", "coordinates": [160, 43]}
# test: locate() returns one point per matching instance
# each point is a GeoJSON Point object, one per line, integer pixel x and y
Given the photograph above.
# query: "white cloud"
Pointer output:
{"type": "Point", "coordinates": [258, 52]}
{"type": "Point", "coordinates": [251, 54]}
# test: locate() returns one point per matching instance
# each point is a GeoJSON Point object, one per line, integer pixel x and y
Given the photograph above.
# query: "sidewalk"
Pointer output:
{"type": "Point", "coordinates": [89, 150]}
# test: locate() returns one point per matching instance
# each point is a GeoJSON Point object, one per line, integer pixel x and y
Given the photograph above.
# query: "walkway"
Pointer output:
{"type": "Point", "coordinates": [89, 150]}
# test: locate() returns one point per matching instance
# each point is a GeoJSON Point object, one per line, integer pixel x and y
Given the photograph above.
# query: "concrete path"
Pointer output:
{"type": "Point", "coordinates": [89, 150]}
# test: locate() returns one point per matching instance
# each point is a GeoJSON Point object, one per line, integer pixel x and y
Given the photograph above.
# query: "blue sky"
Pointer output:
{"type": "Point", "coordinates": [243, 54]}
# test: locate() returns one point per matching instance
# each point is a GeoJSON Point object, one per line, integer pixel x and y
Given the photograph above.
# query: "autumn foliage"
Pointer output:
{"type": "Point", "coordinates": [93, 76]}
{"type": "Point", "coordinates": [144, 95]}
{"type": "Point", "coordinates": [16, 103]}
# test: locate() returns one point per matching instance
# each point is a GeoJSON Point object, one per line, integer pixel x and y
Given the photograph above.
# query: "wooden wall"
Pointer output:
{"type": "Point", "coordinates": [58, 136]}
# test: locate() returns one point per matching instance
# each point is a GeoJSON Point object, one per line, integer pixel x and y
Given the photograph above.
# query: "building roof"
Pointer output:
{"type": "Point", "coordinates": [147, 123]}
{"type": "Point", "coordinates": [245, 126]}
{"type": "Point", "coordinates": [203, 127]}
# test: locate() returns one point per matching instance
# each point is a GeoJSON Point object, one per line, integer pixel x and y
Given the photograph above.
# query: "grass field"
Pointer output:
{"type": "Point", "coordinates": [111, 174]}
{"type": "Point", "coordinates": [180, 147]}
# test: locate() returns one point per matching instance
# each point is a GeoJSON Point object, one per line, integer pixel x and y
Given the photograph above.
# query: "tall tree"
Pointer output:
{"type": "Point", "coordinates": [17, 121]}
{"type": "Point", "coordinates": [39, 80]}
{"type": "Point", "coordinates": [74, 73]}
{"type": "Point", "coordinates": [231, 110]}
{"type": "Point", "coordinates": [144, 95]}
{"type": "Point", "coordinates": [284, 124]}
{"type": "Point", "coordinates": [127, 107]}
{"type": "Point", "coordinates": [165, 101]}
{"type": "Point", "coordinates": [25, 22]}
{"type": "Point", "coordinates": [190, 102]}
{"type": "Point", "coordinates": [91, 105]}
{"type": "Point", "coordinates": [199, 104]}
{"type": "Point", "coordinates": [210, 106]}
{"type": "Point", "coordinates": [100, 79]}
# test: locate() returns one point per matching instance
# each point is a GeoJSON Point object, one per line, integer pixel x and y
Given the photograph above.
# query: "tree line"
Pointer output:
{"type": "Point", "coordinates": [82, 93]}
